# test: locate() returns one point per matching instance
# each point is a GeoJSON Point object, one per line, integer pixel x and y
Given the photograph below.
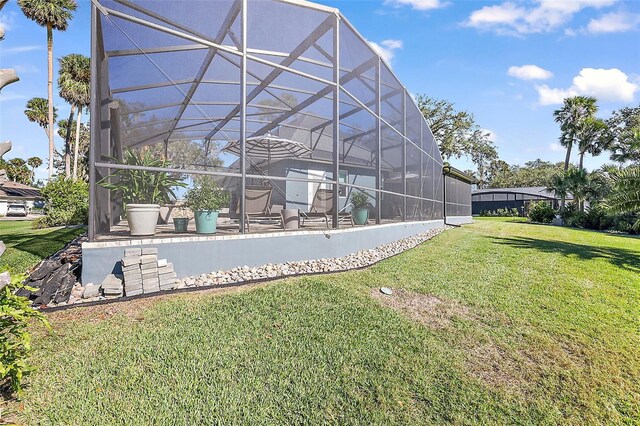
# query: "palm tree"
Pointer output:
{"type": "Point", "coordinates": [558, 185]}
{"type": "Point", "coordinates": [571, 117]}
{"type": "Point", "coordinates": [54, 15]}
{"type": "Point", "coordinates": [37, 112]}
{"type": "Point", "coordinates": [65, 90]}
{"type": "Point", "coordinates": [593, 138]}
{"type": "Point", "coordinates": [83, 99]}
{"type": "Point", "coordinates": [625, 192]}
{"type": "Point", "coordinates": [34, 163]}
{"type": "Point", "coordinates": [74, 82]}
{"type": "Point", "coordinates": [577, 184]}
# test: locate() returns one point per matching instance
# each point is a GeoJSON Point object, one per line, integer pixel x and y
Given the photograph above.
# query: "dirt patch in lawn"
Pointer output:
{"type": "Point", "coordinates": [431, 311]}
{"type": "Point", "coordinates": [485, 360]}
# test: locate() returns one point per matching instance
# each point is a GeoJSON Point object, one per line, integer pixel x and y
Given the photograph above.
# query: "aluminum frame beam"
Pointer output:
{"type": "Point", "coordinates": [295, 53]}
{"type": "Point", "coordinates": [204, 67]}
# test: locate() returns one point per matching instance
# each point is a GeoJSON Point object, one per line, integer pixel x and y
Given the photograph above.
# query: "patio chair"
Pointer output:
{"type": "Point", "coordinates": [322, 207]}
{"type": "Point", "coordinates": [258, 204]}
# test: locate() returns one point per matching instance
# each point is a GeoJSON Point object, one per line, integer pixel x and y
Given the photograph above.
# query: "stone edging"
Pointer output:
{"type": "Point", "coordinates": [246, 275]}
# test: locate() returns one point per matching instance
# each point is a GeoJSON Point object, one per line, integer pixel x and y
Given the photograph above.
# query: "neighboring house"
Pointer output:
{"type": "Point", "coordinates": [14, 192]}
{"type": "Point", "coordinates": [491, 199]}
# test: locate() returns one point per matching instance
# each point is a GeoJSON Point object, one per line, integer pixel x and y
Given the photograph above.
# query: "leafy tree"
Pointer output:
{"type": "Point", "coordinates": [184, 154]}
{"type": "Point", "coordinates": [82, 156]}
{"type": "Point", "coordinates": [66, 201]}
{"type": "Point", "coordinates": [34, 163]}
{"type": "Point", "coordinates": [625, 192]}
{"type": "Point", "coordinates": [53, 15]}
{"type": "Point", "coordinates": [532, 173]}
{"type": "Point", "coordinates": [17, 170]}
{"type": "Point", "coordinates": [482, 154]}
{"type": "Point", "coordinates": [624, 126]}
{"type": "Point", "coordinates": [458, 134]}
{"type": "Point", "coordinates": [270, 109]}
{"type": "Point", "coordinates": [571, 118]}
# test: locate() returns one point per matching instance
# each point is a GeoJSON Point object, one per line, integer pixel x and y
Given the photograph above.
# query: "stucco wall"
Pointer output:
{"type": "Point", "coordinates": [199, 254]}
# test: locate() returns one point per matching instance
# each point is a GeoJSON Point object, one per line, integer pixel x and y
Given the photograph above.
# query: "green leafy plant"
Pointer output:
{"type": "Point", "coordinates": [625, 192]}
{"type": "Point", "coordinates": [541, 212]}
{"type": "Point", "coordinates": [66, 203]}
{"type": "Point", "coordinates": [15, 339]}
{"type": "Point", "coordinates": [143, 187]}
{"type": "Point", "coordinates": [359, 200]}
{"type": "Point", "coordinates": [206, 196]}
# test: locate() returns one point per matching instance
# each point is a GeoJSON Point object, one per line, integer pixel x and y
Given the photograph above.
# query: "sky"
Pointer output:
{"type": "Point", "coordinates": [510, 63]}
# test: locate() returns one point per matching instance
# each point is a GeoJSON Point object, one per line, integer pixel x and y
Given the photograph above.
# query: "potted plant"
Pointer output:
{"type": "Point", "coordinates": [205, 199]}
{"type": "Point", "coordinates": [360, 207]}
{"type": "Point", "coordinates": [181, 218]}
{"type": "Point", "coordinates": [142, 192]}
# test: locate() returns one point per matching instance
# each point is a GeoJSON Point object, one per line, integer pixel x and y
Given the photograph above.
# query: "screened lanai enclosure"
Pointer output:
{"type": "Point", "coordinates": [196, 81]}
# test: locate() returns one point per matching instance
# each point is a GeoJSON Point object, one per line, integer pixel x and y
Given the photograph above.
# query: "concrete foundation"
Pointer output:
{"type": "Point", "coordinates": [203, 254]}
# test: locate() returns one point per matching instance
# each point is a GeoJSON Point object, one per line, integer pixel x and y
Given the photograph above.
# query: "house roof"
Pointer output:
{"type": "Point", "coordinates": [538, 191]}
{"type": "Point", "coordinates": [16, 189]}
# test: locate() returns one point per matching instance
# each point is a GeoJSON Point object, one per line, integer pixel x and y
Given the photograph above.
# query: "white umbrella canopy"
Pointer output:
{"type": "Point", "coordinates": [269, 147]}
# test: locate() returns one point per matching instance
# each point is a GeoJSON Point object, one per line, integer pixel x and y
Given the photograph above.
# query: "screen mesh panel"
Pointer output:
{"type": "Point", "coordinates": [169, 80]}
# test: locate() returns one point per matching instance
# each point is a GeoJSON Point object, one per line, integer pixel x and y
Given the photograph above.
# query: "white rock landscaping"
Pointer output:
{"type": "Point", "coordinates": [144, 273]}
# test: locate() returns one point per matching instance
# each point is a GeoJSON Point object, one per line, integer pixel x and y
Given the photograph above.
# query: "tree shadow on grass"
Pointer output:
{"type": "Point", "coordinates": [620, 257]}
{"type": "Point", "coordinates": [41, 244]}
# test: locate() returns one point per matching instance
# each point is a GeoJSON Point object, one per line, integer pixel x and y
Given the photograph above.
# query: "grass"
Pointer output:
{"type": "Point", "coordinates": [537, 325]}
{"type": "Point", "coordinates": [26, 247]}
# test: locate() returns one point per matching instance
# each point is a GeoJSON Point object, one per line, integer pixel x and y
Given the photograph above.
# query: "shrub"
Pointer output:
{"type": "Point", "coordinates": [15, 340]}
{"type": "Point", "coordinates": [500, 213]}
{"type": "Point", "coordinates": [139, 186]}
{"type": "Point", "coordinates": [597, 218]}
{"type": "Point", "coordinates": [359, 200]}
{"type": "Point", "coordinates": [66, 203]}
{"type": "Point", "coordinates": [624, 223]}
{"type": "Point", "coordinates": [541, 212]}
{"type": "Point", "coordinates": [206, 196]}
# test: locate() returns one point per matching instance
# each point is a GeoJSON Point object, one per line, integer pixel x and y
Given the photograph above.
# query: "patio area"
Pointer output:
{"type": "Point", "coordinates": [309, 120]}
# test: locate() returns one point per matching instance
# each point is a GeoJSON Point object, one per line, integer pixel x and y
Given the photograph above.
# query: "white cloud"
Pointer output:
{"type": "Point", "coordinates": [529, 72]}
{"type": "Point", "coordinates": [417, 4]}
{"type": "Point", "coordinates": [555, 147]}
{"type": "Point", "coordinates": [387, 48]}
{"type": "Point", "coordinates": [510, 18]}
{"type": "Point", "coordinates": [614, 22]}
{"type": "Point", "coordinates": [8, 96]}
{"type": "Point", "coordinates": [7, 20]}
{"type": "Point", "coordinates": [605, 84]}
{"type": "Point", "coordinates": [25, 68]}
{"type": "Point", "coordinates": [569, 32]}
{"type": "Point", "coordinates": [22, 49]}
{"type": "Point", "coordinates": [492, 136]}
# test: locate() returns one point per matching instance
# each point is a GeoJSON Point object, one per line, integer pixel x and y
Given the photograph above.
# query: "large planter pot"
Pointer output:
{"type": "Point", "coordinates": [206, 221]}
{"type": "Point", "coordinates": [181, 224]}
{"type": "Point", "coordinates": [360, 215]}
{"type": "Point", "coordinates": [142, 218]}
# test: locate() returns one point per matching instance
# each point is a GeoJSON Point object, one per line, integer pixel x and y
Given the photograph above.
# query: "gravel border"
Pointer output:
{"type": "Point", "coordinates": [245, 275]}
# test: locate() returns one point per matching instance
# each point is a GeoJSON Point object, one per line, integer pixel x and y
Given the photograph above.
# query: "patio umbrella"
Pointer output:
{"type": "Point", "coordinates": [269, 147]}
{"type": "Point", "coordinates": [398, 179]}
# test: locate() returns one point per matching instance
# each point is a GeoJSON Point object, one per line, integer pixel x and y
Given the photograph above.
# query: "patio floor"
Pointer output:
{"type": "Point", "coordinates": [226, 227]}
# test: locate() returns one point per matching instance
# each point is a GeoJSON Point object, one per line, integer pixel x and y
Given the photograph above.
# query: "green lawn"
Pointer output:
{"type": "Point", "coordinates": [531, 325]}
{"type": "Point", "coordinates": [26, 247]}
